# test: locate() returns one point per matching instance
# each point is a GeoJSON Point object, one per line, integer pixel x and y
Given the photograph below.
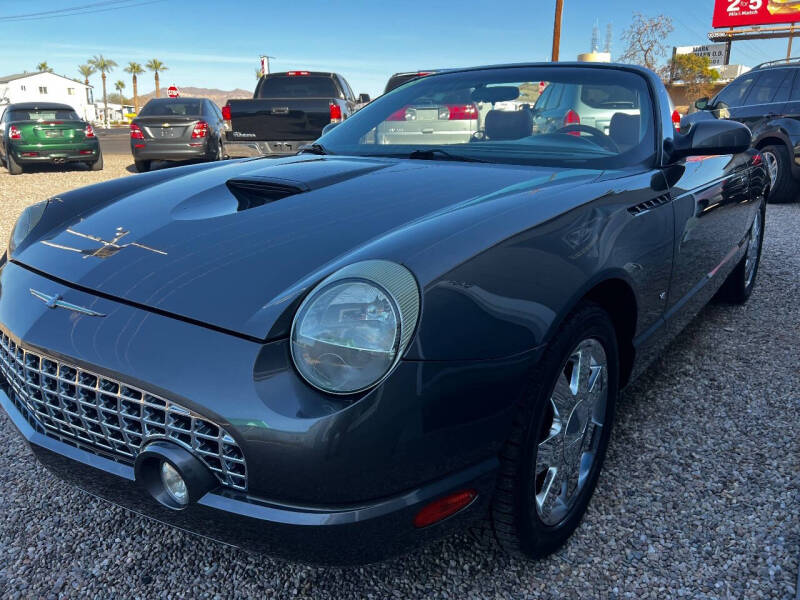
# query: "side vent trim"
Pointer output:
{"type": "Point", "coordinates": [649, 205]}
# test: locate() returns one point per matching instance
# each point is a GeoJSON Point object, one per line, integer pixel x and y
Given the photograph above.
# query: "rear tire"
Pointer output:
{"type": "Point", "coordinates": [779, 167]}
{"type": "Point", "coordinates": [740, 283]}
{"type": "Point", "coordinates": [217, 156]}
{"type": "Point", "coordinates": [143, 166]}
{"type": "Point", "coordinates": [553, 449]}
{"type": "Point", "coordinates": [14, 168]}
{"type": "Point", "coordinates": [98, 164]}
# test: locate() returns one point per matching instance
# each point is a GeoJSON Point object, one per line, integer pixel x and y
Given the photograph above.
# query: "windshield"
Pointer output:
{"type": "Point", "coordinates": [581, 116]}
{"type": "Point", "coordinates": [169, 108]}
{"type": "Point", "coordinates": [49, 114]}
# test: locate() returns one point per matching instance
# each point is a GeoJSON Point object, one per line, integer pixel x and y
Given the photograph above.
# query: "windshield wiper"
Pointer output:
{"type": "Point", "coordinates": [439, 154]}
{"type": "Point", "coordinates": [313, 149]}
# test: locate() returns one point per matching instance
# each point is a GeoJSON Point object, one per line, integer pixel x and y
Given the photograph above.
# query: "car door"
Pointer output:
{"type": "Point", "coordinates": [727, 103]}
{"type": "Point", "coordinates": [547, 114]}
{"type": "Point", "coordinates": [766, 98]}
{"type": "Point", "coordinates": [349, 96]}
{"type": "Point", "coordinates": [211, 117]}
{"type": "Point", "coordinates": [792, 107]}
{"type": "Point", "coordinates": [712, 205]}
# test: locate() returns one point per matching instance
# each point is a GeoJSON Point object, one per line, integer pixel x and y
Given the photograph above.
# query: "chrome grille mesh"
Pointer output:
{"type": "Point", "coordinates": [108, 417]}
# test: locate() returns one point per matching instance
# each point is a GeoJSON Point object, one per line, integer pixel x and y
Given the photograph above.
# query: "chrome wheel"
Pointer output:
{"type": "Point", "coordinates": [571, 431]}
{"type": "Point", "coordinates": [751, 259]}
{"type": "Point", "coordinates": [772, 167]}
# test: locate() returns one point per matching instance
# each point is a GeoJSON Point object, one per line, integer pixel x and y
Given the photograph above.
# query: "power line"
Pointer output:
{"type": "Point", "coordinates": [59, 10]}
{"type": "Point", "coordinates": [79, 10]}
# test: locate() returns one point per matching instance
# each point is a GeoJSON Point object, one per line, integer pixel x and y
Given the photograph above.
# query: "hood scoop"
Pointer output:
{"type": "Point", "coordinates": [235, 196]}
{"type": "Point", "coordinates": [252, 192]}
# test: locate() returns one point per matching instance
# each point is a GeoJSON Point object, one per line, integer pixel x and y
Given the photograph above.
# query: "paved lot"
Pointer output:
{"type": "Point", "coordinates": [699, 499]}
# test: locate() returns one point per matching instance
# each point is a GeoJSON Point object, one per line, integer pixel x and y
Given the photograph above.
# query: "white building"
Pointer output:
{"type": "Point", "coordinates": [730, 72]}
{"type": "Point", "coordinates": [116, 112]}
{"type": "Point", "coordinates": [47, 87]}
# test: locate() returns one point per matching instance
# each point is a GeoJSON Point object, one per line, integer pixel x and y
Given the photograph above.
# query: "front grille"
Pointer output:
{"type": "Point", "coordinates": [108, 417]}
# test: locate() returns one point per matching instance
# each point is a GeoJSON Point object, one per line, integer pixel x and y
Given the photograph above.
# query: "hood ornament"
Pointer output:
{"type": "Point", "coordinates": [55, 301]}
{"type": "Point", "coordinates": [107, 249]}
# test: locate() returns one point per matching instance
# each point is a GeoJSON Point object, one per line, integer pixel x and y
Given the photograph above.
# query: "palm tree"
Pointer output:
{"type": "Point", "coordinates": [87, 71]}
{"type": "Point", "coordinates": [156, 66]}
{"type": "Point", "coordinates": [119, 86]}
{"type": "Point", "coordinates": [135, 69]}
{"type": "Point", "coordinates": [43, 66]}
{"type": "Point", "coordinates": [104, 65]}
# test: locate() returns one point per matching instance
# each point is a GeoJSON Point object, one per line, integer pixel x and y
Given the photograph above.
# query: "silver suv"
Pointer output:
{"type": "Point", "coordinates": [592, 105]}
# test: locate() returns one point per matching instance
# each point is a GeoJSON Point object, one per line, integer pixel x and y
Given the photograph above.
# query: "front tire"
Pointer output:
{"type": "Point", "coordinates": [14, 168]}
{"type": "Point", "coordinates": [740, 283]}
{"type": "Point", "coordinates": [783, 186]}
{"type": "Point", "coordinates": [142, 166]}
{"type": "Point", "coordinates": [551, 462]}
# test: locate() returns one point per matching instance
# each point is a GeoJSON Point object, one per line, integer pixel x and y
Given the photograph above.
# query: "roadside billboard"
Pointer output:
{"type": "Point", "coordinates": [716, 53]}
{"type": "Point", "coordinates": [744, 13]}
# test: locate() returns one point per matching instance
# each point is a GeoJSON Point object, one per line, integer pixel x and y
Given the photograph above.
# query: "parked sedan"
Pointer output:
{"type": "Point", "coordinates": [176, 129]}
{"type": "Point", "coordinates": [339, 355]}
{"type": "Point", "coordinates": [33, 133]}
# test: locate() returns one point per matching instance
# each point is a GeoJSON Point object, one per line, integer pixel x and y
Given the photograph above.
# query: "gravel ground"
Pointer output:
{"type": "Point", "coordinates": [699, 497]}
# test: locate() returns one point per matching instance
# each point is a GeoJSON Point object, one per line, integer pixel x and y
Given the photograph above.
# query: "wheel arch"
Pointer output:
{"type": "Point", "coordinates": [615, 294]}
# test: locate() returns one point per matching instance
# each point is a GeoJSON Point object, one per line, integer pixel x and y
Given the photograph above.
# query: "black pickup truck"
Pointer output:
{"type": "Point", "coordinates": [287, 111]}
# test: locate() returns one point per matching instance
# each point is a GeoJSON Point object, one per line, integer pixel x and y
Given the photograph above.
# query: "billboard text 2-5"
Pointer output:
{"type": "Point", "coordinates": [743, 13]}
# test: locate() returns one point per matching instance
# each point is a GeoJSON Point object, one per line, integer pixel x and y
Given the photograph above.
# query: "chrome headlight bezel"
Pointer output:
{"type": "Point", "coordinates": [391, 279]}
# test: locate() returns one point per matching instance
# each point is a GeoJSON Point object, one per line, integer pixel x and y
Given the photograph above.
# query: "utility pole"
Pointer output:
{"type": "Point", "coordinates": [557, 30]}
{"type": "Point", "coordinates": [264, 61]}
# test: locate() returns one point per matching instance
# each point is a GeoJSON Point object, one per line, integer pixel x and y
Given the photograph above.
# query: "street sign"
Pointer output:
{"type": "Point", "coordinates": [172, 92]}
{"type": "Point", "coordinates": [717, 53]}
{"type": "Point", "coordinates": [744, 13]}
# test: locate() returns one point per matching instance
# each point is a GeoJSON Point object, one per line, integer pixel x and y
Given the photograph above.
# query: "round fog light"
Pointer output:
{"type": "Point", "coordinates": [174, 484]}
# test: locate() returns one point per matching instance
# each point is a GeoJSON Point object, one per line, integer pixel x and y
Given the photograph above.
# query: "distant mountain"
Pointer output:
{"type": "Point", "coordinates": [219, 97]}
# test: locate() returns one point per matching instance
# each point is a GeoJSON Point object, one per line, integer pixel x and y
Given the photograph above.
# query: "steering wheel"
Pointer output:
{"type": "Point", "coordinates": [598, 137]}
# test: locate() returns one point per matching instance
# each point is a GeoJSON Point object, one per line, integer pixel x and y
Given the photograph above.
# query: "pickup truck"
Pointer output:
{"type": "Point", "coordinates": [288, 110]}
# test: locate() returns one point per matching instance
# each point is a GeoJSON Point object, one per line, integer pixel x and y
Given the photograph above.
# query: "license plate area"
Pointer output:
{"type": "Point", "coordinates": [169, 132]}
{"type": "Point", "coordinates": [52, 133]}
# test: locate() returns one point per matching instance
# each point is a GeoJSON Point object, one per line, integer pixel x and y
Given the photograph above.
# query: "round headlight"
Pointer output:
{"type": "Point", "coordinates": [27, 220]}
{"type": "Point", "coordinates": [351, 330]}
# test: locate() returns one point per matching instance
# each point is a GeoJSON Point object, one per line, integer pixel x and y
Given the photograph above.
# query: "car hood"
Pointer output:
{"type": "Point", "coordinates": [218, 245]}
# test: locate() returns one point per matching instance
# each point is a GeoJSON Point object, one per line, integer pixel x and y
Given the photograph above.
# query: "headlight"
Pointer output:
{"type": "Point", "coordinates": [25, 223]}
{"type": "Point", "coordinates": [352, 329]}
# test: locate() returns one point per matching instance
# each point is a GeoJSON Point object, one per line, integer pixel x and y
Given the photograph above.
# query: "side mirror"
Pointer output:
{"type": "Point", "coordinates": [364, 98]}
{"type": "Point", "coordinates": [711, 138]}
{"type": "Point", "coordinates": [329, 126]}
{"type": "Point", "coordinates": [701, 103]}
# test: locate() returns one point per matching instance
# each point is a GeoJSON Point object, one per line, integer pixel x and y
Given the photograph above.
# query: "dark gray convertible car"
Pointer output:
{"type": "Point", "coordinates": [336, 356]}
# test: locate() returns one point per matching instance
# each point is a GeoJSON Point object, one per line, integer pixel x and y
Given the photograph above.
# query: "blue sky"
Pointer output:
{"type": "Point", "coordinates": [217, 43]}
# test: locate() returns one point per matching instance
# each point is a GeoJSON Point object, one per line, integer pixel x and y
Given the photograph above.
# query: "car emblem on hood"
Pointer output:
{"type": "Point", "coordinates": [109, 247]}
{"type": "Point", "coordinates": [55, 301]}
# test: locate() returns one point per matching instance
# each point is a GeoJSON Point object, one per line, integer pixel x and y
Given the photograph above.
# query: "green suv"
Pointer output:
{"type": "Point", "coordinates": [32, 133]}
